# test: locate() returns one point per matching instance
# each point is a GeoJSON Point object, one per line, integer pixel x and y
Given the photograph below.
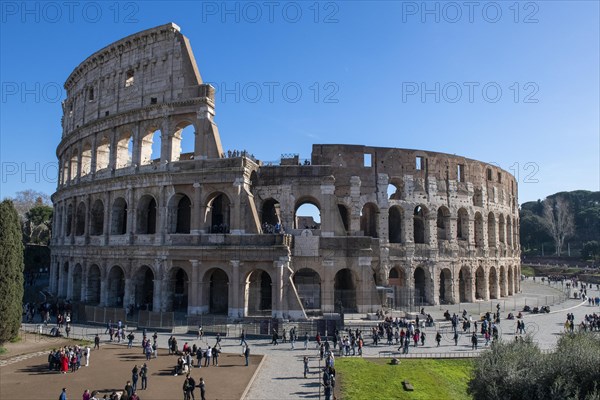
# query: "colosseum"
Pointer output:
{"type": "Point", "coordinates": [138, 222]}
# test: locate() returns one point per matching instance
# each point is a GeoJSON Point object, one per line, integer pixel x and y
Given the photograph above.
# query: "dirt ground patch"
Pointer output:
{"type": "Point", "coordinates": [110, 368]}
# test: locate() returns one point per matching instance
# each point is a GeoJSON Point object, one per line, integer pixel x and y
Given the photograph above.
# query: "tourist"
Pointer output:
{"type": "Point", "coordinates": [215, 355]}
{"type": "Point", "coordinates": [87, 353]}
{"type": "Point", "coordinates": [134, 396]}
{"type": "Point", "coordinates": [199, 357]}
{"type": "Point", "coordinates": [202, 386]}
{"type": "Point", "coordinates": [474, 341]}
{"type": "Point", "coordinates": [247, 354]}
{"type": "Point", "coordinates": [305, 340]}
{"type": "Point", "coordinates": [97, 342]}
{"type": "Point", "coordinates": [128, 389]}
{"type": "Point", "coordinates": [134, 377]}
{"type": "Point", "coordinates": [86, 395]}
{"type": "Point", "coordinates": [63, 394]}
{"type": "Point", "coordinates": [305, 366]}
{"type": "Point", "coordinates": [144, 376]}
{"type": "Point", "coordinates": [208, 356]}
{"type": "Point", "coordinates": [438, 338]}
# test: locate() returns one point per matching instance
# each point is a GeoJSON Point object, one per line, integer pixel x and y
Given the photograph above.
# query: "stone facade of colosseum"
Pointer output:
{"type": "Point", "coordinates": [138, 222]}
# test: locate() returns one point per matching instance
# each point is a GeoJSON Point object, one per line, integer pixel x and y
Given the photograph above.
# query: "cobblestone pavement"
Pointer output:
{"type": "Point", "coordinates": [280, 376]}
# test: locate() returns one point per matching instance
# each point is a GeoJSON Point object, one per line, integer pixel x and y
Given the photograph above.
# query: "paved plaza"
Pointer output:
{"type": "Point", "coordinates": [280, 374]}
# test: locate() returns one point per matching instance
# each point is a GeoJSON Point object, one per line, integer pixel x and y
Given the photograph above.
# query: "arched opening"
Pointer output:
{"type": "Point", "coordinates": [73, 164]}
{"type": "Point", "coordinates": [422, 284]}
{"type": "Point", "coordinates": [80, 220]}
{"type": "Point", "coordinates": [151, 144]}
{"type": "Point", "coordinates": [368, 220]}
{"type": "Point", "coordinates": [115, 287]}
{"type": "Point", "coordinates": [480, 285]}
{"type": "Point", "coordinates": [478, 198]}
{"type": "Point", "coordinates": [124, 150]}
{"type": "Point", "coordinates": [395, 189]}
{"type": "Point", "coordinates": [465, 291]}
{"type": "Point", "coordinates": [491, 230]}
{"type": "Point", "coordinates": [218, 291]}
{"type": "Point", "coordinates": [219, 209]}
{"type": "Point", "coordinates": [118, 224]}
{"type": "Point", "coordinates": [511, 286]}
{"type": "Point", "coordinates": [308, 285]}
{"type": "Point", "coordinates": [102, 153]}
{"type": "Point", "coordinates": [177, 290]}
{"type": "Point", "coordinates": [77, 282]}
{"type": "Point", "coordinates": [144, 288]}
{"type": "Point", "coordinates": [307, 215]}
{"type": "Point", "coordinates": [271, 216]}
{"type": "Point", "coordinates": [182, 142]}
{"type": "Point", "coordinates": [443, 223]}
{"type": "Point", "coordinates": [509, 232]}
{"type": "Point", "coordinates": [397, 280]}
{"type": "Point", "coordinates": [462, 225]}
{"type": "Point", "coordinates": [258, 293]}
{"type": "Point", "coordinates": [344, 291]}
{"type": "Point", "coordinates": [503, 289]}
{"type": "Point", "coordinates": [65, 279]}
{"type": "Point", "coordinates": [86, 159]}
{"type": "Point", "coordinates": [69, 220]}
{"type": "Point", "coordinates": [446, 286]}
{"type": "Point", "coordinates": [345, 215]}
{"type": "Point", "coordinates": [180, 214]}
{"type": "Point", "coordinates": [146, 218]}
{"type": "Point", "coordinates": [395, 224]}
{"type": "Point", "coordinates": [493, 284]}
{"type": "Point", "coordinates": [93, 285]}
{"type": "Point", "coordinates": [97, 218]}
{"type": "Point", "coordinates": [479, 230]}
{"type": "Point", "coordinates": [501, 228]}
{"type": "Point", "coordinates": [419, 224]}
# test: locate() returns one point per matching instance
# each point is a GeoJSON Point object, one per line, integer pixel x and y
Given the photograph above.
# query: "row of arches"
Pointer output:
{"type": "Point", "coordinates": [465, 285]}
{"type": "Point", "coordinates": [87, 286]}
{"type": "Point", "coordinates": [128, 146]}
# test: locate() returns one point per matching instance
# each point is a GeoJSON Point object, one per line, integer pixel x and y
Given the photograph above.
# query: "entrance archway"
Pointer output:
{"type": "Point", "coordinates": [116, 287]}
{"type": "Point", "coordinates": [218, 291]}
{"type": "Point", "coordinates": [344, 291]}
{"type": "Point", "coordinates": [397, 280]}
{"type": "Point", "coordinates": [465, 289]}
{"type": "Point", "coordinates": [93, 285]}
{"type": "Point", "coordinates": [421, 286]}
{"type": "Point", "coordinates": [493, 284]}
{"type": "Point", "coordinates": [446, 286]}
{"type": "Point", "coordinates": [308, 285]}
{"type": "Point", "coordinates": [258, 293]}
{"type": "Point", "coordinates": [480, 284]}
{"type": "Point", "coordinates": [177, 290]}
{"type": "Point", "coordinates": [144, 288]}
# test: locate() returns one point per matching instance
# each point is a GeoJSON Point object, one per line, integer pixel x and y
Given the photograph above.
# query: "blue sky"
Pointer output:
{"type": "Point", "coordinates": [513, 83]}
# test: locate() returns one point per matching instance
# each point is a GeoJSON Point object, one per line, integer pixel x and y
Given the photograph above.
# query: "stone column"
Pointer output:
{"type": "Point", "coordinates": [277, 288]}
{"type": "Point", "coordinates": [196, 214]}
{"type": "Point", "coordinates": [107, 216]}
{"type": "Point", "coordinates": [236, 307]}
{"type": "Point", "coordinates": [193, 299]}
{"type": "Point", "coordinates": [162, 215]}
{"type": "Point", "coordinates": [364, 302]}
{"type": "Point", "coordinates": [131, 228]}
{"type": "Point", "coordinates": [93, 156]}
{"type": "Point", "coordinates": [84, 281]}
{"type": "Point", "coordinates": [69, 294]}
{"type": "Point", "coordinates": [355, 184]}
{"type": "Point", "coordinates": [103, 285]}
{"type": "Point", "coordinates": [157, 303]}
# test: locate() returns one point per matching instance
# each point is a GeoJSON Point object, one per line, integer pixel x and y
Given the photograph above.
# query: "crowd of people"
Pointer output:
{"type": "Point", "coordinates": [68, 358]}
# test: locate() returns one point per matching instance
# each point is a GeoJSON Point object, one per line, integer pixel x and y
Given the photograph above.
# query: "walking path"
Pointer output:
{"type": "Point", "coordinates": [280, 376]}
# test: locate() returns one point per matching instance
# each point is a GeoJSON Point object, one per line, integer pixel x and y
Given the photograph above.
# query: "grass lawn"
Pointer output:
{"type": "Point", "coordinates": [376, 379]}
{"type": "Point", "coordinates": [527, 270]}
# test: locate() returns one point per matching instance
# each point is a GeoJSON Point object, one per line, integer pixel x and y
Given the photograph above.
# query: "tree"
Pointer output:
{"type": "Point", "coordinates": [559, 221]}
{"type": "Point", "coordinates": [11, 266]}
{"type": "Point", "coordinates": [519, 370]}
{"type": "Point", "coordinates": [38, 224]}
{"type": "Point", "coordinates": [591, 250]}
{"type": "Point", "coordinates": [27, 199]}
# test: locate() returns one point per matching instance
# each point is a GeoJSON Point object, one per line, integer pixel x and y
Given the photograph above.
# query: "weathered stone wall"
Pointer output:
{"type": "Point", "coordinates": [205, 233]}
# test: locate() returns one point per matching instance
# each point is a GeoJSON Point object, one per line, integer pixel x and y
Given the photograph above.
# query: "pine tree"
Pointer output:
{"type": "Point", "coordinates": [11, 272]}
